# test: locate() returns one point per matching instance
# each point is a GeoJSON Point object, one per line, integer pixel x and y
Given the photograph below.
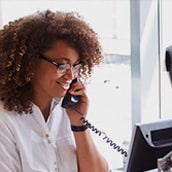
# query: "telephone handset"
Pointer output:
{"type": "Point", "coordinates": [69, 101]}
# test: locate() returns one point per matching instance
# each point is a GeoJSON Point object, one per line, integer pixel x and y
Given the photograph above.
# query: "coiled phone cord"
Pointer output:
{"type": "Point", "coordinates": [103, 134]}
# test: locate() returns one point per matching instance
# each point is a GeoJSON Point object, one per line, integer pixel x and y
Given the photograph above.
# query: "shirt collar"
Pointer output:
{"type": "Point", "coordinates": [54, 103]}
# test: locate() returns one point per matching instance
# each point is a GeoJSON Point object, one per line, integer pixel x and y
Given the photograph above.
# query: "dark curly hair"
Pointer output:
{"type": "Point", "coordinates": [21, 42]}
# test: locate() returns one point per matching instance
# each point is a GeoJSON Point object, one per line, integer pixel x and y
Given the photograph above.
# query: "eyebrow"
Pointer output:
{"type": "Point", "coordinates": [67, 59]}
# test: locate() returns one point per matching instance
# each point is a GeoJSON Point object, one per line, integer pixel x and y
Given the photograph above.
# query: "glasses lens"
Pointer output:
{"type": "Point", "coordinates": [76, 68]}
{"type": "Point", "coordinates": [63, 68]}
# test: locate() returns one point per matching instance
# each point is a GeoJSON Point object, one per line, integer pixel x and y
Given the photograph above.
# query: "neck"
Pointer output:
{"type": "Point", "coordinates": [44, 106]}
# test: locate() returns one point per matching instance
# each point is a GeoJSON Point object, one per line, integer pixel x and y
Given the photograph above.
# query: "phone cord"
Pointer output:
{"type": "Point", "coordinates": [103, 134]}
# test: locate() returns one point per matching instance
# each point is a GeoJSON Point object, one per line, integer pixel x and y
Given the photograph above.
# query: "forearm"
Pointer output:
{"type": "Point", "coordinates": [89, 158]}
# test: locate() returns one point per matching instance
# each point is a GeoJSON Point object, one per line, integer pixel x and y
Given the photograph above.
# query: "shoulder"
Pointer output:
{"type": "Point", "coordinates": [6, 127]}
{"type": "Point", "coordinates": [3, 113]}
{"type": "Point", "coordinates": [8, 119]}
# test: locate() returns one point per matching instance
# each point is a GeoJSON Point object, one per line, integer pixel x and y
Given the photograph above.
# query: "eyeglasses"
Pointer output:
{"type": "Point", "coordinates": [62, 68]}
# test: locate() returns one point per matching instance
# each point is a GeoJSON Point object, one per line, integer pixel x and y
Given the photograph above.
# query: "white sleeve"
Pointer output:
{"type": "Point", "coordinates": [9, 157]}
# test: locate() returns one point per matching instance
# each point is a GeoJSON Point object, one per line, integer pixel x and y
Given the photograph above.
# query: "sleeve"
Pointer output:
{"type": "Point", "coordinates": [9, 157]}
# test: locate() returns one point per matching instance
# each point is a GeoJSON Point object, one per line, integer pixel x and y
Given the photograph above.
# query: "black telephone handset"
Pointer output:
{"type": "Point", "coordinates": [70, 100]}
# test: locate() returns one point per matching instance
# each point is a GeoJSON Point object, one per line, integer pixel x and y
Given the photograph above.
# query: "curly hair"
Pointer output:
{"type": "Point", "coordinates": [21, 42]}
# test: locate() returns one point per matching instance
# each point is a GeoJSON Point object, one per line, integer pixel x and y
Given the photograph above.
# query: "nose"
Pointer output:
{"type": "Point", "coordinates": [70, 75]}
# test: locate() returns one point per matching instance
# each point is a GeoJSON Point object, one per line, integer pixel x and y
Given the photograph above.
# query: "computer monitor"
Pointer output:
{"type": "Point", "coordinates": [149, 142]}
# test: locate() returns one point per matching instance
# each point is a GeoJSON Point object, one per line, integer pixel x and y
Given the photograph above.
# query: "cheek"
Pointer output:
{"type": "Point", "coordinates": [45, 73]}
{"type": "Point", "coordinates": [45, 78]}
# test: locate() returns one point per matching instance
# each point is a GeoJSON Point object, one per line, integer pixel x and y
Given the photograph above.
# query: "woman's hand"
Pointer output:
{"type": "Point", "coordinates": [78, 89]}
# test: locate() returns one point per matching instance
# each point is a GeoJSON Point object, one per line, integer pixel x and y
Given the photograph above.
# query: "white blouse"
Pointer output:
{"type": "Point", "coordinates": [29, 144]}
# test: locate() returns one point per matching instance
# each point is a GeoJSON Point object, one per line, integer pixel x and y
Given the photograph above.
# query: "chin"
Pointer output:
{"type": "Point", "coordinates": [60, 95]}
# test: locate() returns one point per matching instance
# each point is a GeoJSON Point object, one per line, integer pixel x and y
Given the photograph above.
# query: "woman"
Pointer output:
{"type": "Point", "coordinates": [40, 55]}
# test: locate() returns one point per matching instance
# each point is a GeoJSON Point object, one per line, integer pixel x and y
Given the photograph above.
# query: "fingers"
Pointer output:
{"type": "Point", "coordinates": [77, 88]}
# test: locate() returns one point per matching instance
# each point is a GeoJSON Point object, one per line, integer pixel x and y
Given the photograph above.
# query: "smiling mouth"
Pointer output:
{"type": "Point", "coordinates": [64, 86]}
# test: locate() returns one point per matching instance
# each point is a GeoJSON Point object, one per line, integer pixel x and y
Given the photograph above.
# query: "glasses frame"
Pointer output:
{"type": "Point", "coordinates": [58, 65]}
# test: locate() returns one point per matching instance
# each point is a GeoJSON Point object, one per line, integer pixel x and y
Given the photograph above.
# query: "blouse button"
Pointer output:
{"type": "Point", "coordinates": [55, 165]}
{"type": "Point", "coordinates": [47, 137]}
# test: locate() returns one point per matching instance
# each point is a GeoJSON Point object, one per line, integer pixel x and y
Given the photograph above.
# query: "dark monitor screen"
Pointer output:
{"type": "Point", "coordinates": [149, 142]}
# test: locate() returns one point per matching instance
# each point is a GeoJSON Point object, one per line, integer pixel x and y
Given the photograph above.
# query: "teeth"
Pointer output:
{"type": "Point", "coordinates": [65, 86]}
